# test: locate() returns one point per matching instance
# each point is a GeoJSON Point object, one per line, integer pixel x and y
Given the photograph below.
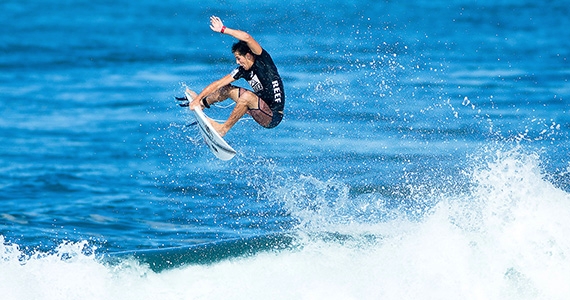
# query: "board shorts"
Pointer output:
{"type": "Point", "coordinates": [264, 115]}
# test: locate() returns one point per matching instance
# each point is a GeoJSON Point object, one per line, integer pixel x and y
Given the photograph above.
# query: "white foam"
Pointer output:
{"type": "Point", "coordinates": [506, 238]}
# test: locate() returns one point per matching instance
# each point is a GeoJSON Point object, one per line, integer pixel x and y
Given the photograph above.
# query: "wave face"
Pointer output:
{"type": "Point", "coordinates": [502, 238]}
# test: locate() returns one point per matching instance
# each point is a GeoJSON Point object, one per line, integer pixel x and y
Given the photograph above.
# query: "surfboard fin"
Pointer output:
{"type": "Point", "coordinates": [186, 102]}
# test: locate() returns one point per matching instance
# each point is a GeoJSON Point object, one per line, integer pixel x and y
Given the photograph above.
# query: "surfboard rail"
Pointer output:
{"type": "Point", "coordinates": [213, 139]}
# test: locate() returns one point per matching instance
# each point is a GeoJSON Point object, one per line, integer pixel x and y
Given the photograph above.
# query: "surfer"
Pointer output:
{"type": "Point", "coordinates": [265, 103]}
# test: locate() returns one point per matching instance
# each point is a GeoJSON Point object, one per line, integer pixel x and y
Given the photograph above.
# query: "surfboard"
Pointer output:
{"type": "Point", "coordinates": [213, 139]}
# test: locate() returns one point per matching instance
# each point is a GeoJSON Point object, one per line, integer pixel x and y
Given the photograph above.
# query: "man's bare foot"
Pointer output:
{"type": "Point", "coordinates": [220, 128]}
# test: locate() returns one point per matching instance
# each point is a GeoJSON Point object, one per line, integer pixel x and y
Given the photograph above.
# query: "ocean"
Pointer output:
{"type": "Point", "coordinates": [424, 152]}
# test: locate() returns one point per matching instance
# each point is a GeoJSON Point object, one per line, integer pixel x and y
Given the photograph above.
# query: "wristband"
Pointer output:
{"type": "Point", "coordinates": [223, 29]}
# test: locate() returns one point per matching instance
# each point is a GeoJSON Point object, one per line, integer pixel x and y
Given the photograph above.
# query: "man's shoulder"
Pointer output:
{"type": "Point", "coordinates": [238, 72]}
{"type": "Point", "coordinates": [266, 57]}
{"type": "Point", "coordinates": [264, 53]}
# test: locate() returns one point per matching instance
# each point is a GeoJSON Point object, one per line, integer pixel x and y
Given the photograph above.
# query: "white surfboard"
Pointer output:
{"type": "Point", "coordinates": [213, 139]}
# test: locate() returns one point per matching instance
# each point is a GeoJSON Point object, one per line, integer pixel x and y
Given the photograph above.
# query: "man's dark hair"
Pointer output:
{"type": "Point", "coordinates": [241, 48]}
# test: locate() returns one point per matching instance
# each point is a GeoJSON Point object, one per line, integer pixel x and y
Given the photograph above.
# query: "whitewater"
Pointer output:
{"type": "Point", "coordinates": [502, 238]}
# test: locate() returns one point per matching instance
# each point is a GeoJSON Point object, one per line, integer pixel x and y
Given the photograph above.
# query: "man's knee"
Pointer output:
{"type": "Point", "coordinates": [249, 99]}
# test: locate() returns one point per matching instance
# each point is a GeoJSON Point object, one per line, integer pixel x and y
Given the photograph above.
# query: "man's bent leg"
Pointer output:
{"type": "Point", "coordinates": [245, 100]}
{"type": "Point", "coordinates": [225, 92]}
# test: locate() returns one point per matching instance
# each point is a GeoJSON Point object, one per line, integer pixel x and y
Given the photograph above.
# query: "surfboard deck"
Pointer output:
{"type": "Point", "coordinates": [213, 139]}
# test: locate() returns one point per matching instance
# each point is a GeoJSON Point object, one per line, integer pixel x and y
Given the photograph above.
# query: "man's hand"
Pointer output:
{"type": "Point", "coordinates": [194, 101]}
{"type": "Point", "coordinates": [216, 24]}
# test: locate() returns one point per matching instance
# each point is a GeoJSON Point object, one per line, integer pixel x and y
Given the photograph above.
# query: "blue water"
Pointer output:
{"type": "Point", "coordinates": [423, 154]}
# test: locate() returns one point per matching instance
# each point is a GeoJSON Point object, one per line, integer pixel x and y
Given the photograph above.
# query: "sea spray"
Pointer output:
{"type": "Point", "coordinates": [522, 222]}
{"type": "Point", "coordinates": [504, 237]}
{"type": "Point", "coordinates": [501, 237]}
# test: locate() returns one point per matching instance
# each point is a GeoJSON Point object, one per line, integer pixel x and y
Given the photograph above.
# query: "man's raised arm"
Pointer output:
{"type": "Point", "coordinates": [217, 25]}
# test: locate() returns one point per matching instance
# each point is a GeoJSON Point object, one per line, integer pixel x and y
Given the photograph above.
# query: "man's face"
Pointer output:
{"type": "Point", "coordinates": [246, 61]}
